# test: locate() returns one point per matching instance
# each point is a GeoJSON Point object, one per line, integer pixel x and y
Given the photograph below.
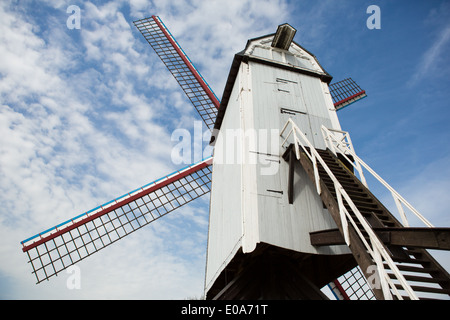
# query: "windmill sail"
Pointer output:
{"type": "Point", "coordinates": [181, 67]}
{"type": "Point", "coordinates": [57, 248]}
{"type": "Point", "coordinates": [346, 92]}
{"type": "Point", "coordinates": [352, 286]}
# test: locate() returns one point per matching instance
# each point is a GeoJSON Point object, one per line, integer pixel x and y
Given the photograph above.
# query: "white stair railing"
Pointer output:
{"type": "Point", "coordinates": [338, 140]}
{"type": "Point", "coordinates": [374, 246]}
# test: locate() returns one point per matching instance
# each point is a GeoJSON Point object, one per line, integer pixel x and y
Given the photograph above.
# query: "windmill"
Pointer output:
{"type": "Point", "coordinates": [296, 218]}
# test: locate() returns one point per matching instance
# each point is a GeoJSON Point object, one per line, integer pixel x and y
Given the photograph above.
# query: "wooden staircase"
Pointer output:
{"type": "Point", "coordinates": [406, 246]}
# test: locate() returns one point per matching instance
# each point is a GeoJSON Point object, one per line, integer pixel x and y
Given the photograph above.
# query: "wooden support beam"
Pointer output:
{"type": "Point", "coordinates": [291, 176]}
{"type": "Point", "coordinates": [426, 238]}
{"type": "Point", "coordinates": [329, 237]}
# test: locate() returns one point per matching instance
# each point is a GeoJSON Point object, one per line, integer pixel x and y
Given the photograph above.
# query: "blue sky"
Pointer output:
{"type": "Point", "coordinates": [87, 115]}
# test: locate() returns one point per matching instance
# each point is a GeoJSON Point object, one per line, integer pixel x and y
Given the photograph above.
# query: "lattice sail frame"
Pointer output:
{"type": "Point", "coordinates": [345, 92]}
{"type": "Point", "coordinates": [181, 67]}
{"type": "Point", "coordinates": [352, 285]}
{"type": "Point", "coordinates": [57, 248]}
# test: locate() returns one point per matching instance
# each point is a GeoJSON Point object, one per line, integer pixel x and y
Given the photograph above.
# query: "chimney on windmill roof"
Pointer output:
{"type": "Point", "coordinates": [284, 36]}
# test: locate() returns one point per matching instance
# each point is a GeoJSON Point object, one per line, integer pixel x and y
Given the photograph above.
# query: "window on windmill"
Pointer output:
{"type": "Point", "coordinates": [293, 60]}
{"type": "Point", "coordinates": [277, 56]}
{"type": "Point", "coordinates": [261, 52]}
{"type": "Point", "coordinates": [298, 61]}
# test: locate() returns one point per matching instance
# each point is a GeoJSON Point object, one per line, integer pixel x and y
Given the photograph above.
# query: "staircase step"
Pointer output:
{"type": "Point", "coordinates": [336, 169]}
{"type": "Point", "coordinates": [410, 260]}
{"type": "Point", "coordinates": [360, 197]}
{"type": "Point", "coordinates": [420, 298]}
{"type": "Point", "coordinates": [419, 278]}
{"type": "Point", "coordinates": [413, 269]}
{"type": "Point", "coordinates": [366, 208]}
{"type": "Point", "coordinates": [349, 188]}
{"type": "Point", "coordinates": [364, 204]}
{"type": "Point", "coordinates": [383, 219]}
{"type": "Point", "coordinates": [426, 289]}
{"type": "Point", "coordinates": [350, 183]}
{"type": "Point", "coordinates": [341, 177]}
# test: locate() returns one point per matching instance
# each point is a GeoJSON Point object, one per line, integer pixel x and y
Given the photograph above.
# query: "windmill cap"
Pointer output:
{"type": "Point", "coordinates": [284, 36]}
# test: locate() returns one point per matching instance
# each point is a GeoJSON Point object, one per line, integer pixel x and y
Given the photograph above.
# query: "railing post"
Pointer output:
{"type": "Point", "coordinates": [381, 271]}
{"type": "Point", "coordinates": [342, 213]}
{"type": "Point", "coordinates": [327, 138]}
{"type": "Point", "coordinates": [358, 165]}
{"type": "Point", "coordinates": [316, 173]}
{"type": "Point", "coordinates": [400, 210]}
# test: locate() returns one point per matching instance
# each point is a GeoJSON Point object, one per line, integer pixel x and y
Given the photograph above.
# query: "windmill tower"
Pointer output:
{"type": "Point", "coordinates": [290, 211]}
{"type": "Point", "coordinates": [272, 80]}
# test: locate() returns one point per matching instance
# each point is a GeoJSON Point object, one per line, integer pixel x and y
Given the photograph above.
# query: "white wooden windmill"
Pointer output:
{"type": "Point", "coordinates": [288, 215]}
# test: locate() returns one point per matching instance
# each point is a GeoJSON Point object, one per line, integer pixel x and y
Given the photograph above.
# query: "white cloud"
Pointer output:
{"type": "Point", "coordinates": [428, 189]}
{"type": "Point", "coordinates": [433, 59]}
{"type": "Point", "coordinates": [431, 62]}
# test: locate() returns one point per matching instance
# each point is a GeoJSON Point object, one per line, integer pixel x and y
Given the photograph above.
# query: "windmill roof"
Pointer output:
{"type": "Point", "coordinates": [243, 56]}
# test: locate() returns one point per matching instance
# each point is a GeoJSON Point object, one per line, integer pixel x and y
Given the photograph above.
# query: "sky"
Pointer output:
{"type": "Point", "coordinates": [87, 115]}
